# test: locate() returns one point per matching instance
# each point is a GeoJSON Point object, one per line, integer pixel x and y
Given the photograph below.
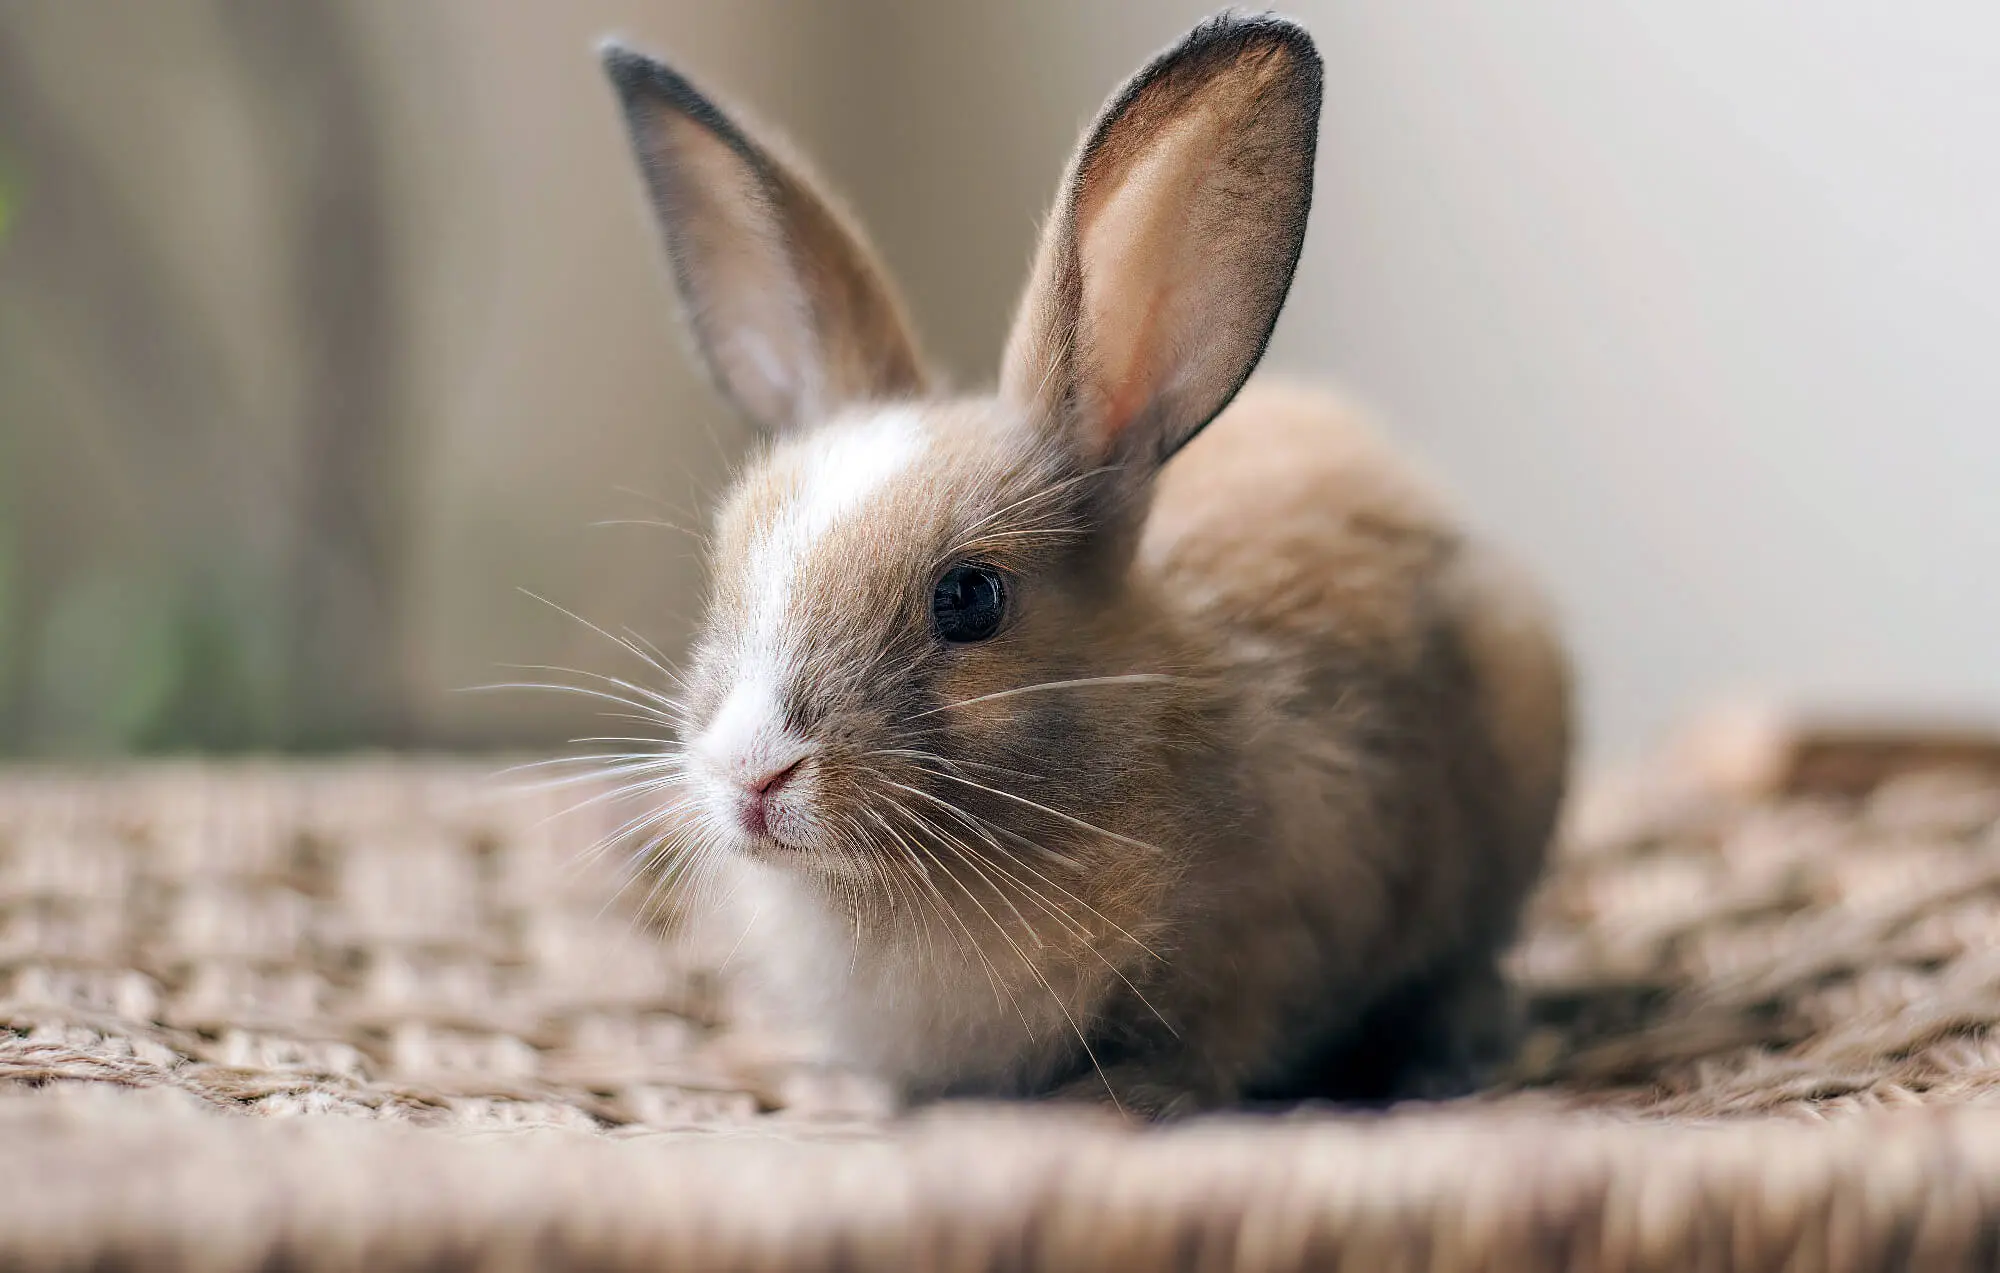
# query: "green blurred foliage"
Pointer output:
{"type": "Point", "coordinates": [204, 449]}
{"type": "Point", "coordinates": [136, 662]}
{"type": "Point", "coordinates": [132, 659]}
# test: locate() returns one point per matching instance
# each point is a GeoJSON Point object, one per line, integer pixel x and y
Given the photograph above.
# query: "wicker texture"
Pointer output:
{"type": "Point", "coordinates": [1791, 956]}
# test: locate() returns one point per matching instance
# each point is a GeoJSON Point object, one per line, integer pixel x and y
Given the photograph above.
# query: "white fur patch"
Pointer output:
{"type": "Point", "coordinates": [738, 738]}
{"type": "Point", "coordinates": [846, 465]}
{"type": "Point", "coordinates": [840, 468]}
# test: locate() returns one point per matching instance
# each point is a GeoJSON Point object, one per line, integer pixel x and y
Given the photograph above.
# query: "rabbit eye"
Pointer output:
{"type": "Point", "coordinates": [968, 603]}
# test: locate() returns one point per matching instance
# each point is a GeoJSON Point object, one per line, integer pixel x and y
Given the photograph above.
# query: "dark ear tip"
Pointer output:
{"type": "Point", "coordinates": [630, 69]}
{"type": "Point", "coordinates": [1265, 23]}
{"type": "Point", "coordinates": [641, 77]}
{"type": "Point", "coordinates": [620, 59]}
{"type": "Point", "coordinates": [1241, 29]}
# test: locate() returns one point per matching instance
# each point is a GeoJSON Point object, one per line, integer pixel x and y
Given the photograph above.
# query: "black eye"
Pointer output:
{"type": "Point", "coordinates": [968, 603]}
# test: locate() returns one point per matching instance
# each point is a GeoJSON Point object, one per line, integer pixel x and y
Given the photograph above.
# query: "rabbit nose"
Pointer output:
{"type": "Point", "coordinates": [768, 784]}
{"type": "Point", "coordinates": [755, 811]}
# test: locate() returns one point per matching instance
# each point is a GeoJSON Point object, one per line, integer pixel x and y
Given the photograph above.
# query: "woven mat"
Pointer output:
{"type": "Point", "coordinates": [374, 1014]}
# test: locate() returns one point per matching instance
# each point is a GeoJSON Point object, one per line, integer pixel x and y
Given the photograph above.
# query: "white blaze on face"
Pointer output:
{"type": "Point", "coordinates": [839, 469]}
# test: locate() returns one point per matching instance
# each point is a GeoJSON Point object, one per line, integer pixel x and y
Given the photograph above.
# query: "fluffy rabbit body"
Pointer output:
{"type": "Point", "coordinates": [1118, 734]}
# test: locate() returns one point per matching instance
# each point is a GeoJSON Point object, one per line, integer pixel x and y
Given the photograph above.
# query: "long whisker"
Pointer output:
{"type": "Point", "coordinates": [1068, 921]}
{"type": "Point", "coordinates": [998, 927]}
{"type": "Point", "coordinates": [657, 777]}
{"type": "Point", "coordinates": [902, 890]}
{"type": "Point", "coordinates": [974, 820]}
{"type": "Point", "coordinates": [979, 826]}
{"type": "Point", "coordinates": [692, 846]}
{"type": "Point", "coordinates": [674, 748]}
{"type": "Point", "coordinates": [1058, 814]}
{"type": "Point", "coordinates": [1033, 971]}
{"type": "Point", "coordinates": [921, 888]}
{"type": "Point", "coordinates": [1131, 678]}
{"type": "Point", "coordinates": [616, 772]}
{"type": "Point", "coordinates": [1100, 916]}
{"type": "Point", "coordinates": [748, 924]}
{"type": "Point", "coordinates": [1026, 926]}
{"type": "Point", "coordinates": [581, 758]}
{"type": "Point", "coordinates": [670, 843]}
{"type": "Point", "coordinates": [931, 757]}
{"type": "Point", "coordinates": [663, 663]}
{"type": "Point", "coordinates": [623, 791]}
{"type": "Point", "coordinates": [602, 765]}
{"type": "Point", "coordinates": [665, 702]}
{"type": "Point", "coordinates": [619, 769]}
{"type": "Point", "coordinates": [618, 641]}
{"type": "Point", "coordinates": [649, 714]}
{"type": "Point", "coordinates": [642, 821]}
{"type": "Point", "coordinates": [635, 870]}
{"type": "Point", "coordinates": [661, 501]}
{"type": "Point", "coordinates": [971, 943]}
{"type": "Point", "coordinates": [650, 522]}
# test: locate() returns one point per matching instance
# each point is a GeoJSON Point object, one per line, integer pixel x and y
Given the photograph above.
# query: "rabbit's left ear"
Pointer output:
{"type": "Point", "coordinates": [1172, 245]}
{"type": "Point", "coordinates": [790, 309]}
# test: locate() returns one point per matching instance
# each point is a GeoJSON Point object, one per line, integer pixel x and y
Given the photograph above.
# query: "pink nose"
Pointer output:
{"type": "Point", "coordinates": [760, 790]}
{"type": "Point", "coordinates": [770, 782]}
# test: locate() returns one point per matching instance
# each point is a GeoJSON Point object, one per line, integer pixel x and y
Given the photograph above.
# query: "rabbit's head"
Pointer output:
{"type": "Point", "coordinates": [924, 650]}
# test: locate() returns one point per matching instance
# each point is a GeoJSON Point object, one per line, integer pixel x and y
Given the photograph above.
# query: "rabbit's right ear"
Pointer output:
{"type": "Point", "coordinates": [790, 309]}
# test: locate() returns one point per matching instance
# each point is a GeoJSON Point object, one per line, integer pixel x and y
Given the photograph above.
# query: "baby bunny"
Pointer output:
{"type": "Point", "coordinates": [1117, 734]}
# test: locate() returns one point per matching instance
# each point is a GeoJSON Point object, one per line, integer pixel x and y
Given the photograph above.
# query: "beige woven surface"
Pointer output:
{"type": "Point", "coordinates": [188, 953]}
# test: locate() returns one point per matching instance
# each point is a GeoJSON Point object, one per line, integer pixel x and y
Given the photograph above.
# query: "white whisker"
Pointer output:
{"type": "Point", "coordinates": [971, 819]}
{"type": "Point", "coordinates": [1001, 993]}
{"type": "Point", "coordinates": [913, 753]}
{"type": "Point", "coordinates": [648, 714]}
{"type": "Point", "coordinates": [952, 843]}
{"type": "Point", "coordinates": [1132, 678]}
{"type": "Point", "coordinates": [618, 641]}
{"type": "Point", "coordinates": [924, 828]}
{"type": "Point", "coordinates": [664, 702]}
{"type": "Point", "coordinates": [1054, 813]}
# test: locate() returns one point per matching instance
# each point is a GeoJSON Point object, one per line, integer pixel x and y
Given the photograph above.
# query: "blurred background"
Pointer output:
{"type": "Point", "coordinates": [329, 326]}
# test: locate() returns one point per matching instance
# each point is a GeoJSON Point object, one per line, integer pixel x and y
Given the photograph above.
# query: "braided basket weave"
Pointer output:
{"type": "Point", "coordinates": [373, 1015]}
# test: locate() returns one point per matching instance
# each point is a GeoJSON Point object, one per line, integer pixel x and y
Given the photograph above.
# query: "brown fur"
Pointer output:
{"type": "Point", "coordinates": [1243, 797]}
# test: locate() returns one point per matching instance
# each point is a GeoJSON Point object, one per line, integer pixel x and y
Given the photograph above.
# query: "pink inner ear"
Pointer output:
{"type": "Point", "coordinates": [1146, 287]}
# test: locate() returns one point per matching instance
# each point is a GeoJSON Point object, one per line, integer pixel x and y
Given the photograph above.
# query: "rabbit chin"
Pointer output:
{"type": "Point", "coordinates": [832, 967]}
{"type": "Point", "coordinates": [879, 965]}
{"type": "Point", "coordinates": [792, 842]}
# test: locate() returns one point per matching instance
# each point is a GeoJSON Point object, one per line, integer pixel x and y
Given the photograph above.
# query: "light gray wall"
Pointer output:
{"type": "Point", "coordinates": [1700, 304]}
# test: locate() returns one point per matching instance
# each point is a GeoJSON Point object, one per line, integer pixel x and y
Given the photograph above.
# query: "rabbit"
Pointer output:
{"type": "Point", "coordinates": [1116, 735]}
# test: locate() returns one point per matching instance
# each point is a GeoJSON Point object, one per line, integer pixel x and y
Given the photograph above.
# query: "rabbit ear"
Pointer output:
{"type": "Point", "coordinates": [1172, 244]}
{"type": "Point", "coordinates": [786, 300]}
